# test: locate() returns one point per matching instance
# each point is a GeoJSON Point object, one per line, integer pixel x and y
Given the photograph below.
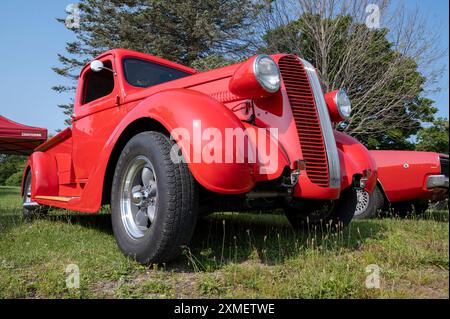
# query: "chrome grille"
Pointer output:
{"type": "Point", "coordinates": [306, 117]}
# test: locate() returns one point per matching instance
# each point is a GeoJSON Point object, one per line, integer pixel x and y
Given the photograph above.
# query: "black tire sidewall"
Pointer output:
{"type": "Point", "coordinates": [341, 214]}
{"type": "Point", "coordinates": [139, 248]}
{"type": "Point", "coordinates": [176, 210]}
{"type": "Point", "coordinates": [345, 207]}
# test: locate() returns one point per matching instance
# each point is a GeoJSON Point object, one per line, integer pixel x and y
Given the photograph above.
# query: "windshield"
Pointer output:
{"type": "Point", "coordinates": [141, 73]}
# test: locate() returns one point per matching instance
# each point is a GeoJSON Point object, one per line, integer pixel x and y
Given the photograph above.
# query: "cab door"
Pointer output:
{"type": "Point", "coordinates": [97, 112]}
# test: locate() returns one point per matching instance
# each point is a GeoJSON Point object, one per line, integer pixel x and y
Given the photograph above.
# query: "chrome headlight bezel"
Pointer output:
{"type": "Point", "coordinates": [343, 104]}
{"type": "Point", "coordinates": [263, 76]}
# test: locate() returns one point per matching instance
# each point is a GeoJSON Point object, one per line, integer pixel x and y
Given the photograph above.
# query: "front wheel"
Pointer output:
{"type": "Point", "coordinates": [323, 215]}
{"type": "Point", "coordinates": [153, 200]}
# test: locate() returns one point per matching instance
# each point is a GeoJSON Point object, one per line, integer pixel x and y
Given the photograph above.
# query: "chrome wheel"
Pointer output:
{"type": "Point", "coordinates": [138, 197]}
{"type": "Point", "coordinates": [362, 203]}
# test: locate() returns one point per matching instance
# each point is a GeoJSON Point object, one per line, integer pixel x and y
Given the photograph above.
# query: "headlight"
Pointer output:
{"type": "Point", "coordinates": [343, 104]}
{"type": "Point", "coordinates": [267, 73]}
{"type": "Point", "coordinates": [339, 105]}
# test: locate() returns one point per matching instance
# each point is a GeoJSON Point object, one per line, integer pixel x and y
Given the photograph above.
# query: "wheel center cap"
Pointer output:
{"type": "Point", "coordinates": [137, 198]}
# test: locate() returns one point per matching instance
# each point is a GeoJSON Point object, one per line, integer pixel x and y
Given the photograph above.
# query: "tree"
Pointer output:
{"type": "Point", "coordinates": [434, 138]}
{"type": "Point", "coordinates": [181, 31]}
{"type": "Point", "coordinates": [387, 70]}
{"type": "Point", "coordinates": [10, 165]}
{"type": "Point", "coordinates": [211, 62]}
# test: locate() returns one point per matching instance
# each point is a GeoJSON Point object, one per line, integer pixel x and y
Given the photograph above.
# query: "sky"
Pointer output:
{"type": "Point", "coordinates": [31, 38]}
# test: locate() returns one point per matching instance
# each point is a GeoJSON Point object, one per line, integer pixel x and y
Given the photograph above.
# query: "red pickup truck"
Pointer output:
{"type": "Point", "coordinates": [407, 182]}
{"type": "Point", "coordinates": [162, 143]}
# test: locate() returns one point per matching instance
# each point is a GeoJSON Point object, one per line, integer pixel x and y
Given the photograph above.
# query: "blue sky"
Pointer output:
{"type": "Point", "coordinates": [30, 38]}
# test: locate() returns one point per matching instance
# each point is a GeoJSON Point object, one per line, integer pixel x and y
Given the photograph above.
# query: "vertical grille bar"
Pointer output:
{"type": "Point", "coordinates": [307, 120]}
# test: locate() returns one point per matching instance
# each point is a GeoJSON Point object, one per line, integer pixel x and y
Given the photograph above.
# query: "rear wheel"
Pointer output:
{"type": "Point", "coordinates": [29, 214]}
{"type": "Point", "coordinates": [323, 215]}
{"type": "Point", "coordinates": [153, 200]}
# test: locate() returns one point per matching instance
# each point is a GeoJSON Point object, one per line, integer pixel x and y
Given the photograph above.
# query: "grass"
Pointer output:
{"type": "Point", "coordinates": [231, 256]}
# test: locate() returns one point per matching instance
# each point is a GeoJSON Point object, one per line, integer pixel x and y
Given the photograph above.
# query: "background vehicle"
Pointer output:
{"type": "Point", "coordinates": [129, 110]}
{"type": "Point", "coordinates": [407, 182]}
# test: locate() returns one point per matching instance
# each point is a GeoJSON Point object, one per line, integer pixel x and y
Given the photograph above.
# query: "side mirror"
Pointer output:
{"type": "Point", "coordinates": [97, 66]}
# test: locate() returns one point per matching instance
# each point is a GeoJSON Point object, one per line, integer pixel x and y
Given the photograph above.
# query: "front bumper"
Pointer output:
{"type": "Point", "coordinates": [437, 181]}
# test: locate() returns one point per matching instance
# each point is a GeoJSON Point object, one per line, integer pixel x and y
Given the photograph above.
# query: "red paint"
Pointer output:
{"type": "Point", "coordinates": [244, 83]}
{"type": "Point", "coordinates": [330, 98]}
{"type": "Point", "coordinates": [355, 159]}
{"type": "Point", "coordinates": [74, 162]}
{"type": "Point", "coordinates": [402, 174]}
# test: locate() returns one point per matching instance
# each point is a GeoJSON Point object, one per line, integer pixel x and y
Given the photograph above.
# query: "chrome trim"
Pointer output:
{"type": "Point", "coordinates": [334, 166]}
{"type": "Point", "coordinates": [31, 205]}
{"type": "Point", "coordinates": [341, 91]}
{"type": "Point", "coordinates": [435, 181]}
{"type": "Point", "coordinates": [258, 76]}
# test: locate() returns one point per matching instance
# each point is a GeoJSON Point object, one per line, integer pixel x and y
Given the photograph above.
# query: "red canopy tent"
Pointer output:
{"type": "Point", "coordinates": [19, 139]}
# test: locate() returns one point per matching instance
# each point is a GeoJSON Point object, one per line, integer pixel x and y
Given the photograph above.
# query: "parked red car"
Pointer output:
{"type": "Point", "coordinates": [162, 143]}
{"type": "Point", "coordinates": [407, 182]}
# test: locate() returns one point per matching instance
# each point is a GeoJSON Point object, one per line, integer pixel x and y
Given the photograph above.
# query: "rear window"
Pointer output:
{"type": "Point", "coordinates": [141, 73]}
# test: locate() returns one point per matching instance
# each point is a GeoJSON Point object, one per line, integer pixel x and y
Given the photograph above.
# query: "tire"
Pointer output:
{"type": "Point", "coordinates": [164, 218]}
{"type": "Point", "coordinates": [369, 205]}
{"type": "Point", "coordinates": [28, 214]}
{"type": "Point", "coordinates": [420, 207]}
{"type": "Point", "coordinates": [323, 215]}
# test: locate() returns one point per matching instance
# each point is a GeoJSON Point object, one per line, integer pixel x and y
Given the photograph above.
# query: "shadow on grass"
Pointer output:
{"type": "Point", "coordinates": [430, 215]}
{"type": "Point", "coordinates": [435, 215]}
{"type": "Point", "coordinates": [227, 238]}
{"type": "Point", "coordinates": [9, 218]}
{"type": "Point", "coordinates": [100, 222]}
{"type": "Point", "coordinates": [266, 238]}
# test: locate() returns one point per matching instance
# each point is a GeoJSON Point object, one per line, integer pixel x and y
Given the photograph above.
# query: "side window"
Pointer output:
{"type": "Point", "coordinates": [98, 84]}
{"type": "Point", "coordinates": [143, 74]}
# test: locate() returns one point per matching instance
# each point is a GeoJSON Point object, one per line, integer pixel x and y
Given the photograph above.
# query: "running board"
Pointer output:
{"type": "Point", "coordinates": [64, 199]}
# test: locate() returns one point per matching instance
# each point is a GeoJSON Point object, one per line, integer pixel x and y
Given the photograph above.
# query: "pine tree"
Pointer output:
{"type": "Point", "coordinates": [183, 32]}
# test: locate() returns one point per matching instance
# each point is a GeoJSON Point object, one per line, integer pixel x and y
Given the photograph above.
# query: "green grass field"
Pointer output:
{"type": "Point", "coordinates": [231, 256]}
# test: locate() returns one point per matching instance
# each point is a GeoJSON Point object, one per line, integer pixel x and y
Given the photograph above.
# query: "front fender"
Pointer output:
{"type": "Point", "coordinates": [355, 159]}
{"type": "Point", "coordinates": [188, 115]}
